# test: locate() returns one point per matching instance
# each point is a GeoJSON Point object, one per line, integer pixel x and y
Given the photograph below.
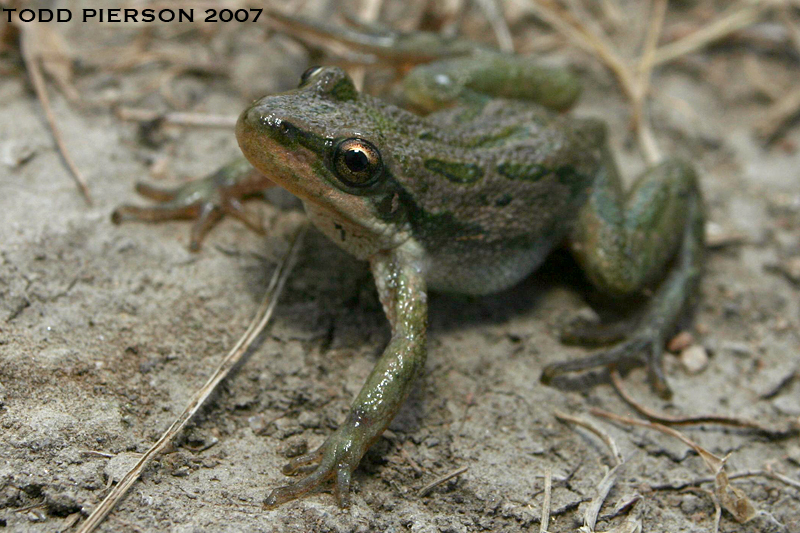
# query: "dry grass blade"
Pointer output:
{"type": "Point", "coordinates": [502, 33]}
{"type": "Point", "coordinates": [593, 511]}
{"type": "Point", "coordinates": [737, 19]}
{"type": "Point", "coordinates": [634, 87]}
{"type": "Point", "coordinates": [548, 489]}
{"type": "Point", "coordinates": [369, 12]}
{"type": "Point", "coordinates": [583, 38]}
{"type": "Point", "coordinates": [733, 499]}
{"type": "Point", "coordinates": [424, 491]}
{"type": "Point", "coordinates": [780, 477]}
{"type": "Point", "coordinates": [646, 138]}
{"type": "Point", "coordinates": [31, 55]}
{"type": "Point", "coordinates": [779, 114]}
{"type": "Point", "coordinates": [259, 322]}
{"type": "Point", "coordinates": [605, 437]}
{"type": "Point", "coordinates": [608, 481]}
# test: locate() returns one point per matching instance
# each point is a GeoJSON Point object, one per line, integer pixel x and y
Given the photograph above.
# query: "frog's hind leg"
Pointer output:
{"type": "Point", "coordinates": [205, 200]}
{"type": "Point", "coordinates": [625, 243]}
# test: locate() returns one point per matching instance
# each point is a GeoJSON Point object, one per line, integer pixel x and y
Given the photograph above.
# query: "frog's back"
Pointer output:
{"type": "Point", "coordinates": [490, 192]}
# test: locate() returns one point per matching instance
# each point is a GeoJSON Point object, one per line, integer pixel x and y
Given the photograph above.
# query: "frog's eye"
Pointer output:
{"type": "Point", "coordinates": [308, 74]}
{"type": "Point", "coordinates": [357, 162]}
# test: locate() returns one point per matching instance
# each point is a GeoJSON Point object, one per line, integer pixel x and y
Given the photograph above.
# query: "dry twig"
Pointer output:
{"type": "Point", "coordinates": [645, 71]}
{"type": "Point", "coordinates": [636, 87]}
{"type": "Point", "coordinates": [597, 430]}
{"type": "Point", "coordinates": [369, 12]}
{"type": "Point", "coordinates": [733, 499]}
{"type": "Point", "coordinates": [548, 487]}
{"type": "Point", "coordinates": [197, 400]}
{"type": "Point", "coordinates": [424, 491]}
{"type": "Point", "coordinates": [741, 16]}
{"type": "Point", "coordinates": [616, 380]}
{"type": "Point", "coordinates": [32, 55]}
{"type": "Point", "coordinates": [502, 33]}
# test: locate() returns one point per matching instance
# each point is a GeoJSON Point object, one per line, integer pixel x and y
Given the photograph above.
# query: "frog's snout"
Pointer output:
{"type": "Point", "coordinates": [255, 120]}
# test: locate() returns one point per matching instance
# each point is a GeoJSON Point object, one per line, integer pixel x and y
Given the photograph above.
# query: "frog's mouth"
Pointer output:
{"type": "Point", "coordinates": [279, 149]}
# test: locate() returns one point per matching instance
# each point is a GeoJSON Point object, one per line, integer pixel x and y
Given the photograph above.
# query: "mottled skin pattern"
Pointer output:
{"type": "Point", "coordinates": [468, 199]}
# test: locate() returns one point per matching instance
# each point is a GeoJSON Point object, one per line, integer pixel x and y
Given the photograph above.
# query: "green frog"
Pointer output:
{"type": "Point", "coordinates": [469, 198]}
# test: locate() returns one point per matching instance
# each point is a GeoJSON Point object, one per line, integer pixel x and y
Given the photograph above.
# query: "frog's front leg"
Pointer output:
{"type": "Point", "coordinates": [627, 243]}
{"type": "Point", "coordinates": [401, 288]}
{"type": "Point", "coordinates": [205, 200]}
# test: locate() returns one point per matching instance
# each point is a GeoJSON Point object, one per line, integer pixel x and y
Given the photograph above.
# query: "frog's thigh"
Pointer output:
{"type": "Point", "coordinates": [624, 241]}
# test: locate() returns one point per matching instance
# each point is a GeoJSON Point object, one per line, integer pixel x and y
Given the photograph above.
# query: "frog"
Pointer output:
{"type": "Point", "coordinates": [467, 193]}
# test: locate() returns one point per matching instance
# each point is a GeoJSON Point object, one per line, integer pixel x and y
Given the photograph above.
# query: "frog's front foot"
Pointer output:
{"type": "Point", "coordinates": [205, 200]}
{"type": "Point", "coordinates": [335, 460]}
{"type": "Point", "coordinates": [645, 346]}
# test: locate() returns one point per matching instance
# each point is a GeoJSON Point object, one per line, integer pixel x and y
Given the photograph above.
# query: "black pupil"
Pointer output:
{"type": "Point", "coordinates": [356, 160]}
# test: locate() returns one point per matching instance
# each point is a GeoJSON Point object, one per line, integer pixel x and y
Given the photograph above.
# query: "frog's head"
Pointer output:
{"type": "Point", "coordinates": [323, 143]}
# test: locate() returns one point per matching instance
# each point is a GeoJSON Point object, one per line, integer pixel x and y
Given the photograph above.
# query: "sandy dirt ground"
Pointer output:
{"type": "Point", "coordinates": [106, 331]}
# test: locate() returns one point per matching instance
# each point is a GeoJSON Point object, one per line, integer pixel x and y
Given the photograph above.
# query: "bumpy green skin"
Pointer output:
{"type": "Point", "coordinates": [471, 199]}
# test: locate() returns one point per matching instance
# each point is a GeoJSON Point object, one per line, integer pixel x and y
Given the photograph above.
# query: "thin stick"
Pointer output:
{"type": "Point", "coordinates": [780, 477]}
{"type": "Point", "coordinates": [767, 472]}
{"type": "Point", "coordinates": [583, 38]}
{"type": "Point", "coordinates": [370, 11]}
{"type": "Point", "coordinates": [737, 20]}
{"type": "Point", "coordinates": [733, 499]}
{"type": "Point", "coordinates": [603, 488]}
{"type": "Point", "coordinates": [646, 137]}
{"type": "Point", "coordinates": [597, 430]}
{"type": "Point", "coordinates": [616, 380]}
{"type": "Point", "coordinates": [31, 60]}
{"type": "Point", "coordinates": [706, 479]}
{"type": "Point", "coordinates": [548, 488]}
{"type": "Point", "coordinates": [424, 491]}
{"type": "Point", "coordinates": [493, 11]}
{"type": "Point", "coordinates": [778, 114]}
{"type": "Point", "coordinates": [717, 512]}
{"type": "Point", "coordinates": [260, 321]}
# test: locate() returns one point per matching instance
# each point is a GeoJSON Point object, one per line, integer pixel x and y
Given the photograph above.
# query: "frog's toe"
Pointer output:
{"type": "Point", "coordinates": [157, 213]}
{"type": "Point", "coordinates": [644, 348]}
{"type": "Point", "coordinates": [209, 215]}
{"type": "Point", "coordinates": [234, 208]}
{"type": "Point", "coordinates": [328, 468]}
{"type": "Point", "coordinates": [205, 200]}
{"type": "Point", "coordinates": [297, 489]}
{"type": "Point", "coordinates": [583, 331]}
{"type": "Point", "coordinates": [297, 463]}
{"type": "Point", "coordinates": [159, 194]}
{"type": "Point", "coordinates": [200, 202]}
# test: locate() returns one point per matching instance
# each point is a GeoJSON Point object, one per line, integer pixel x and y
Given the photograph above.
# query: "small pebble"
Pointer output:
{"type": "Point", "coordinates": [694, 359]}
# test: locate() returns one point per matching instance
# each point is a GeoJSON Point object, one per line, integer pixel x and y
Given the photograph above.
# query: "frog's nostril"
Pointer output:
{"type": "Point", "coordinates": [255, 117]}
